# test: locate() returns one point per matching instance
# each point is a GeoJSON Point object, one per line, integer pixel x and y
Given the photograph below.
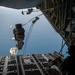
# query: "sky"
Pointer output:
{"type": "Point", "coordinates": [43, 38]}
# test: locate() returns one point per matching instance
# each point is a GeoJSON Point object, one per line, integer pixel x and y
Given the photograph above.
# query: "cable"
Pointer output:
{"type": "Point", "coordinates": [67, 39]}
{"type": "Point", "coordinates": [29, 32]}
{"type": "Point", "coordinates": [27, 38]}
{"type": "Point", "coordinates": [61, 46]}
{"type": "Point", "coordinates": [37, 10]}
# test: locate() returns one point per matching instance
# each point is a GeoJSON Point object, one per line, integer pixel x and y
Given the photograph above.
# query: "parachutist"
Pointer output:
{"type": "Point", "coordinates": [19, 35]}
{"type": "Point", "coordinates": [29, 11]}
{"type": "Point", "coordinates": [22, 13]}
{"type": "Point", "coordinates": [36, 18]}
{"type": "Point", "coordinates": [19, 32]}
